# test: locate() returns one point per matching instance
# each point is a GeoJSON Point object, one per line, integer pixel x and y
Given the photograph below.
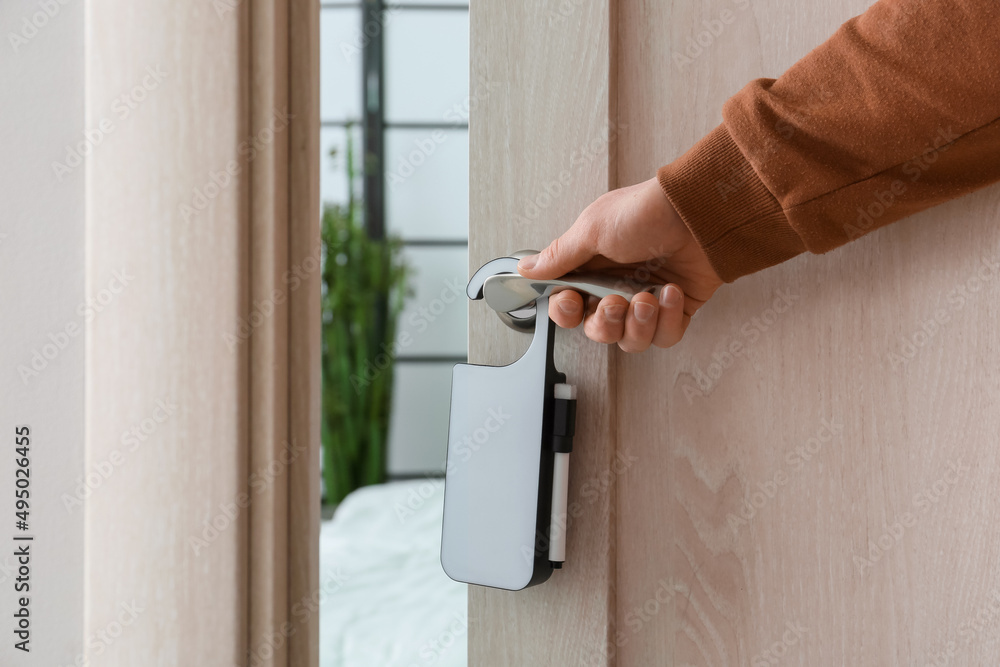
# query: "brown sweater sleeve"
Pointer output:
{"type": "Point", "coordinates": [897, 112]}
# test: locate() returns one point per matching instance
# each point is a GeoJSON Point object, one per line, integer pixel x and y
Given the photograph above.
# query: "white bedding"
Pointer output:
{"type": "Point", "coordinates": [388, 602]}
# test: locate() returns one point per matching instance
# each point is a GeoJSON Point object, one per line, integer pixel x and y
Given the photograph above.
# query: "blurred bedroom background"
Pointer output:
{"type": "Point", "coordinates": [394, 182]}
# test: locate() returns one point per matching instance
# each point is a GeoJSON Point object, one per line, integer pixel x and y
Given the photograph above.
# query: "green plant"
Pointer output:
{"type": "Point", "coordinates": [365, 283]}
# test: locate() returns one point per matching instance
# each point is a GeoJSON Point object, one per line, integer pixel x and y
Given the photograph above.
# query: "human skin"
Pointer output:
{"type": "Point", "coordinates": [622, 232]}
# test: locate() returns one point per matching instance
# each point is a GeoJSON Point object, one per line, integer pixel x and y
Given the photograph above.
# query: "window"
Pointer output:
{"type": "Point", "coordinates": [395, 86]}
{"type": "Point", "coordinates": [395, 80]}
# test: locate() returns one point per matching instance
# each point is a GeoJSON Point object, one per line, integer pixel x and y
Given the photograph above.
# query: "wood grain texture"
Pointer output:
{"type": "Point", "coordinates": [540, 146]}
{"type": "Point", "coordinates": [206, 197]}
{"type": "Point", "coordinates": [304, 350]}
{"type": "Point", "coordinates": [267, 551]}
{"type": "Point", "coordinates": [851, 419]}
{"type": "Point", "coordinates": [157, 358]}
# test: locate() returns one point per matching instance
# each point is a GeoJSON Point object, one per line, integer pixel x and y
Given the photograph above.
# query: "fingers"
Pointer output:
{"type": "Point", "coordinates": [605, 323]}
{"type": "Point", "coordinates": [566, 308]}
{"type": "Point", "coordinates": [671, 320]}
{"type": "Point", "coordinates": [633, 326]}
{"type": "Point", "coordinates": [566, 253]}
{"type": "Point", "coordinates": [640, 323]}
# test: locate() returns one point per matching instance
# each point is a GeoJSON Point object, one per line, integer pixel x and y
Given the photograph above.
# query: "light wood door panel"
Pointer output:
{"type": "Point", "coordinates": [811, 468]}
{"type": "Point", "coordinates": [541, 144]}
{"type": "Point", "coordinates": [791, 429]}
{"type": "Point", "coordinates": [164, 340]}
{"type": "Point", "coordinates": [207, 199]}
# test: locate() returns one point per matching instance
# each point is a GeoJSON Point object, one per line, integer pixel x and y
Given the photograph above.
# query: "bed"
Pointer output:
{"type": "Point", "coordinates": [387, 601]}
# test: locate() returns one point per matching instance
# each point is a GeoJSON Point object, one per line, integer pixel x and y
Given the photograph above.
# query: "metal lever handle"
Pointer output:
{"type": "Point", "coordinates": [508, 292]}
{"type": "Point", "coordinates": [513, 296]}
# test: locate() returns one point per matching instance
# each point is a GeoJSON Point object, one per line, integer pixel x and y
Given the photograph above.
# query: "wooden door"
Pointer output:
{"type": "Point", "coordinates": [206, 197]}
{"type": "Point", "coordinates": [811, 472]}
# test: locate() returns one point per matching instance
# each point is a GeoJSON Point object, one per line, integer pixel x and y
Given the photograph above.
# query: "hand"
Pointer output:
{"type": "Point", "coordinates": [628, 233]}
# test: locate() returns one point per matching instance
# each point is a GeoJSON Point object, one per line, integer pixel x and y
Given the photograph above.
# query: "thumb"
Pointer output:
{"type": "Point", "coordinates": [568, 252]}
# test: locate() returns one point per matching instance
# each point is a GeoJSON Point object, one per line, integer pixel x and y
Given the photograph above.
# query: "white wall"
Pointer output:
{"type": "Point", "coordinates": [41, 289]}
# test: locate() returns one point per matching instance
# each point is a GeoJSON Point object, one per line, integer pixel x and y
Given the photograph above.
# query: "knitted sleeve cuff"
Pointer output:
{"type": "Point", "coordinates": [731, 213]}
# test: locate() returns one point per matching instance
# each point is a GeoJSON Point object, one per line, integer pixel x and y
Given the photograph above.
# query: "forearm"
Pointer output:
{"type": "Point", "coordinates": [897, 112]}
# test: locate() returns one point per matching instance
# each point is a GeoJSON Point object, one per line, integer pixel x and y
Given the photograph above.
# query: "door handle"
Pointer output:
{"type": "Point", "coordinates": [509, 293]}
{"type": "Point", "coordinates": [510, 434]}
